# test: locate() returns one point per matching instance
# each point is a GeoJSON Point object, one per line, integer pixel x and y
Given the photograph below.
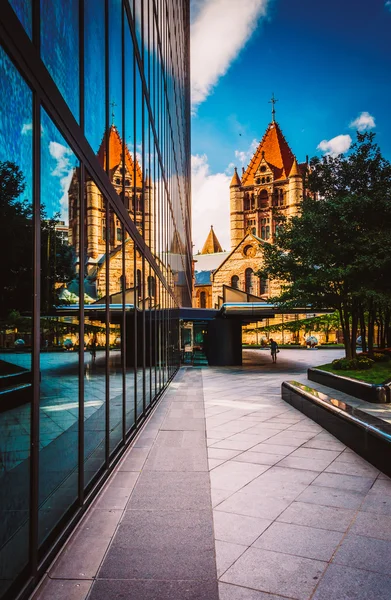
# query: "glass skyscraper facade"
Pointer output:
{"type": "Point", "coordinates": [95, 251]}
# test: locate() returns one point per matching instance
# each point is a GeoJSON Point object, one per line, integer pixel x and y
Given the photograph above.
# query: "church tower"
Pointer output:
{"type": "Point", "coordinates": [137, 195]}
{"type": "Point", "coordinates": [273, 179]}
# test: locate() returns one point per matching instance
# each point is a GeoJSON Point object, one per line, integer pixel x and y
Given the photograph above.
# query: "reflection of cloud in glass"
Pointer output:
{"type": "Point", "coordinates": [58, 163]}
{"type": "Point", "coordinates": [13, 115]}
{"type": "Point", "coordinates": [27, 127]}
{"type": "Point", "coordinates": [63, 170]}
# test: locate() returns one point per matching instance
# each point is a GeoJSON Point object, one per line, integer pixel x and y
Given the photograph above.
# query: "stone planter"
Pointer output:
{"type": "Point", "coordinates": [370, 392]}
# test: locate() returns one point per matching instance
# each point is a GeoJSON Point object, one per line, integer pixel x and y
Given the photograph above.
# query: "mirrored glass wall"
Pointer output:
{"type": "Point", "coordinates": [96, 251]}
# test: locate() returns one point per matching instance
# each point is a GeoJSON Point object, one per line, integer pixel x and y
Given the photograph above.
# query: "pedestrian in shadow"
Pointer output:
{"type": "Point", "coordinates": [273, 349]}
{"type": "Point", "coordinates": [93, 348]}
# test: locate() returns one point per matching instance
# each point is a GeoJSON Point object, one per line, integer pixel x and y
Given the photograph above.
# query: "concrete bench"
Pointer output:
{"type": "Point", "coordinates": [367, 435]}
{"type": "Point", "coordinates": [15, 395]}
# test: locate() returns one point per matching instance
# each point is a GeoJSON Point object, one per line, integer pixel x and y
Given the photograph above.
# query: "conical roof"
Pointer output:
{"type": "Point", "coordinates": [275, 150]}
{"type": "Point", "coordinates": [212, 244]}
{"type": "Point", "coordinates": [295, 170]}
{"type": "Point", "coordinates": [235, 179]}
{"type": "Point", "coordinates": [115, 155]}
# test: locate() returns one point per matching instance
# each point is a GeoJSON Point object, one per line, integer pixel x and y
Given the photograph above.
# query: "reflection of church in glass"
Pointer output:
{"type": "Point", "coordinates": [103, 227]}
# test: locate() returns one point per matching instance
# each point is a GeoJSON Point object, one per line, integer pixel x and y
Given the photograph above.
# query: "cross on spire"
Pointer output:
{"type": "Point", "coordinates": [113, 105]}
{"type": "Point", "coordinates": [273, 103]}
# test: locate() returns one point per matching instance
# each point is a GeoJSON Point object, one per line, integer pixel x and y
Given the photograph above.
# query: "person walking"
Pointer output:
{"type": "Point", "coordinates": [93, 348]}
{"type": "Point", "coordinates": [273, 349]}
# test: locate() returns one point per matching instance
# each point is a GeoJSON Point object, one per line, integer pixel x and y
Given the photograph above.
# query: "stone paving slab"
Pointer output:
{"type": "Point", "coordinates": [314, 522]}
{"type": "Point", "coordinates": [296, 514]}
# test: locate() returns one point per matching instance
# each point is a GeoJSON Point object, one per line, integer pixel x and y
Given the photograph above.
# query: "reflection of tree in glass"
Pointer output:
{"type": "Point", "coordinates": [16, 233]}
{"type": "Point", "coordinates": [15, 242]}
{"type": "Point", "coordinates": [57, 263]}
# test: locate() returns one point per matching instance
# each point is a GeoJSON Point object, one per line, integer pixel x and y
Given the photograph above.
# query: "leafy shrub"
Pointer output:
{"type": "Point", "coordinates": [379, 357]}
{"type": "Point", "coordinates": [364, 363]}
{"type": "Point", "coordinates": [343, 364]}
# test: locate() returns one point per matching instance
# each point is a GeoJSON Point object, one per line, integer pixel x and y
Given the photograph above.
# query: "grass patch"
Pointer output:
{"type": "Point", "coordinates": [378, 373]}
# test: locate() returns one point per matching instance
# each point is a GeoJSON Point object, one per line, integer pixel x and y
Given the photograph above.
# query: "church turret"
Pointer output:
{"type": "Point", "coordinates": [295, 189]}
{"type": "Point", "coordinates": [212, 244]}
{"type": "Point", "coordinates": [295, 171]}
{"type": "Point", "coordinates": [235, 179]}
{"type": "Point", "coordinates": [272, 179]}
{"type": "Point", "coordinates": [236, 210]}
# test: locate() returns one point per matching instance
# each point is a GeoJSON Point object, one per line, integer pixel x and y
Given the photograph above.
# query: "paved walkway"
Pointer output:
{"type": "Point", "coordinates": [296, 514]}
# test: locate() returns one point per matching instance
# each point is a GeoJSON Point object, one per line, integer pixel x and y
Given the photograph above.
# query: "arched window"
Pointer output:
{"type": "Point", "coordinates": [267, 232]}
{"type": "Point", "coordinates": [151, 286]}
{"type": "Point", "coordinates": [235, 282]}
{"type": "Point", "coordinates": [139, 284]}
{"type": "Point", "coordinates": [252, 202]}
{"type": "Point", "coordinates": [263, 199]}
{"type": "Point", "coordinates": [263, 286]}
{"type": "Point", "coordinates": [246, 202]}
{"type": "Point", "coordinates": [281, 198]}
{"type": "Point", "coordinates": [203, 300]}
{"type": "Point", "coordinates": [249, 273]}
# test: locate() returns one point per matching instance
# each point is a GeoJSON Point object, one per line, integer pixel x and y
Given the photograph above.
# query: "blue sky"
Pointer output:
{"type": "Point", "coordinates": [327, 63]}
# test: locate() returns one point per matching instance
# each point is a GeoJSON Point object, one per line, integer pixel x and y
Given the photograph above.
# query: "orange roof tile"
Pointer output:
{"type": "Point", "coordinates": [212, 244]}
{"type": "Point", "coordinates": [275, 150]}
{"type": "Point", "coordinates": [115, 155]}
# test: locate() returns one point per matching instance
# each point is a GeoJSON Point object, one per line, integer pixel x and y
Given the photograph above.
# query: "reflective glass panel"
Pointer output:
{"type": "Point", "coordinates": [59, 328]}
{"type": "Point", "coordinates": [114, 263]}
{"type": "Point", "coordinates": [94, 72]}
{"type": "Point", "coordinates": [95, 236]}
{"type": "Point", "coordinates": [60, 47]}
{"type": "Point", "coordinates": [16, 233]}
{"type": "Point", "coordinates": [23, 9]}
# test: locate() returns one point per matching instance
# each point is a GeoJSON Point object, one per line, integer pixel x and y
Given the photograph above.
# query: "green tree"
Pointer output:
{"type": "Point", "coordinates": [15, 241]}
{"type": "Point", "coordinates": [337, 252]}
{"type": "Point", "coordinates": [16, 249]}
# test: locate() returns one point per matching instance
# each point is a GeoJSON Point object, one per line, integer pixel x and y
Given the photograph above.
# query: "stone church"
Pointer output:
{"type": "Point", "coordinates": [273, 179]}
{"type": "Point", "coordinates": [102, 225]}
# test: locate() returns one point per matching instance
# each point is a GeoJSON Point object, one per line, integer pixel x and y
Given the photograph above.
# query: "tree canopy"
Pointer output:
{"type": "Point", "coordinates": [16, 249]}
{"type": "Point", "coordinates": [336, 253]}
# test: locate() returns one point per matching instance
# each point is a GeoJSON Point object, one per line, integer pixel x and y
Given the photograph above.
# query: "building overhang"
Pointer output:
{"type": "Point", "coordinates": [264, 310]}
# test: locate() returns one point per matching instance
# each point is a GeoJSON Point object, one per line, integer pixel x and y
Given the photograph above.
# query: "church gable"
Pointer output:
{"type": "Point", "coordinates": [115, 155]}
{"type": "Point", "coordinates": [273, 153]}
{"type": "Point", "coordinates": [246, 254]}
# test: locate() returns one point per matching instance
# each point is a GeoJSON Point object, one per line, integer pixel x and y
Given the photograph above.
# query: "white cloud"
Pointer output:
{"type": "Point", "coordinates": [64, 170]}
{"type": "Point", "coordinates": [364, 121]}
{"type": "Point", "coordinates": [244, 156]}
{"type": "Point", "coordinates": [219, 31]}
{"type": "Point", "coordinates": [337, 145]}
{"type": "Point", "coordinates": [27, 127]}
{"type": "Point", "coordinates": [210, 204]}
